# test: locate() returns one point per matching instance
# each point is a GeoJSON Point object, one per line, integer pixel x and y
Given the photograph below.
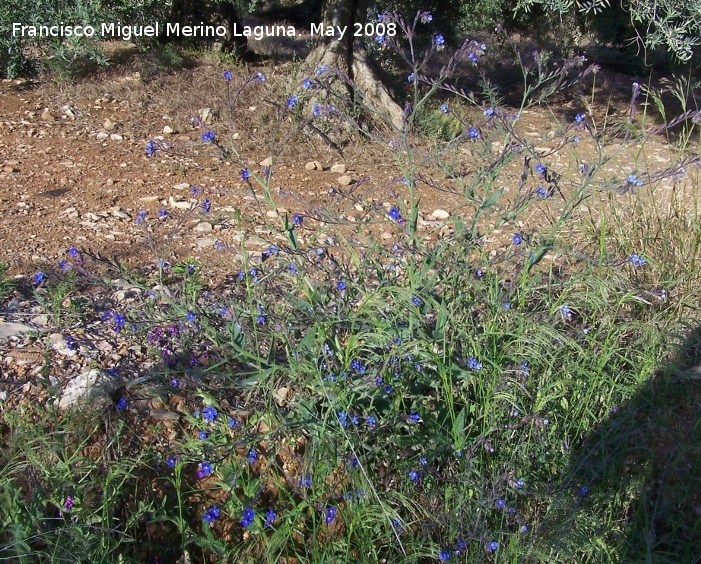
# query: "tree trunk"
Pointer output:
{"type": "Point", "coordinates": [350, 56]}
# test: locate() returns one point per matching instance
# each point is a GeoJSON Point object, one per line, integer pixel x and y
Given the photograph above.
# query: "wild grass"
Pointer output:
{"type": "Point", "coordinates": [512, 384]}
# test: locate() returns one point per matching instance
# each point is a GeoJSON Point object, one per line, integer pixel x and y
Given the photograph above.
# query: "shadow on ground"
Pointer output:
{"type": "Point", "coordinates": [645, 459]}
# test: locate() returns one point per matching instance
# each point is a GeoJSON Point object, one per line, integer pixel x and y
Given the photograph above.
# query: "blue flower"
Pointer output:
{"type": "Point", "coordinates": [426, 18]}
{"type": "Point", "coordinates": [632, 179]}
{"type": "Point", "coordinates": [492, 546]}
{"type": "Point", "coordinates": [205, 470]}
{"type": "Point", "coordinates": [260, 76]}
{"type": "Point", "coordinates": [519, 483]}
{"type": "Point", "coordinates": [191, 316]}
{"type": "Point", "coordinates": [343, 418]}
{"type": "Point", "coordinates": [523, 529]}
{"type": "Point", "coordinates": [140, 218]}
{"type": "Point", "coordinates": [517, 239]}
{"type": "Point", "coordinates": [122, 404]}
{"type": "Point", "coordinates": [207, 136]}
{"type": "Point", "coordinates": [305, 482]}
{"type": "Point", "coordinates": [330, 515]}
{"type": "Point", "coordinates": [151, 148]}
{"type": "Point", "coordinates": [341, 285]}
{"type": "Point", "coordinates": [119, 322]}
{"type": "Point", "coordinates": [489, 111]}
{"type": "Point", "coordinates": [473, 364]}
{"type": "Point", "coordinates": [245, 175]}
{"type": "Point", "coordinates": [270, 518]}
{"type": "Point", "coordinates": [414, 476]}
{"type": "Point", "coordinates": [543, 193]}
{"type": "Point", "coordinates": [501, 503]}
{"type": "Point", "coordinates": [444, 108]}
{"type": "Point", "coordinates": [379, 39]}
{"type": "Point", "coordinates": [411, 77]}
{"type": "Point", "coordinates": [206, 205]}
{"type": "Point", "coordinates": [252, 456]}
{"type": "Point", "coordinates": [579, 118]}
{"type": "Point", "coordinates": [540, 169]}
{"type": "Point", "coordinates": [231, 422]}
{"type": "Point", "coordinates": [202, 435]}
{"type": "Point", "coordinates": [584, 490]}
{"type": "Point", "coordinates": [473, 133]}
{"type": "Point", "coordinates": [260, 319]}
{"type": "Point", "coordinates": [174, 382]}
{"type": "Point", "coordinates": [637, 260]}
{"type": "Point", "coordinates": [388, 389]}
{"type": "Point", "coordinates": [415, 417]}
{"type": "Point", "coordinates": [444, 555]}
{"type": "Point", "coordinates": [394, 214]}
{"type": "Point", "coordinates": [291, 101]}
{"type": "Point", "coordinates": [416, 301]}
{"type": "Point", "coordinates": [439, 39]}
{"type": "Point", "coordinates": [39, 277]}
{"type": "Point", "coordinates": [307, 83]}
{"type": "Point", "coordinates": [321, 70]}
{"type": "Point", "coordinates": [171, 462]}
{"type": "Point", "coordinates": [248, 516]}
{"type": "Point", "coordinates": [423, 461]}
{"type": "Point", "coordinates": [370, 420]}
{"type": "Point", "coordinates": [566, 312]}
{"type": "Point", "coordinates": [211, 514]}
{"type": "Point", "coordinates": [355, 420]}
{"type": "Point", "coordinates": [227, 75]}
{"type": "Point", "coordinates": [473, 57]}
{"type": "Point", "coordinates": [209, 413]}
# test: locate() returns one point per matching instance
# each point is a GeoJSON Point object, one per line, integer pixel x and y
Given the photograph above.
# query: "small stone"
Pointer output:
{"type": "Point", "coordinates": [179, 205]}
{"type": "Point", "coordinates": [148, 199]}
{"type": "Point", "coordinates": [310, 165]}
{"type": "Point", "coordinates": [46, 115]}
{"type": "Point", "coordinates": [338, 168]}
{"type": "Point", "coordinates": [358, 207]}
{"type": "Point", "coordinates": [117, 212]}
{"type": "Point", "coordinates": [9, 329]}
{"type": "Point", "coordinates": [440, 214]}
{"type": "Point", "coordinates": [182, 186]}
{"type": "Point", "coordinates": [266, 162]}
{"type": "Point", "coordinates": [93, 386]}
{"type": "Point", "coordinates": [203, 227]}
{"type": "Point", "coordinates": [203, 242]}
{"type": "Point", "coordinates": [109, 125]}
{"type": "Point", "coordinates": [280, 395]}
{"type": "Point", "coordinates": [344, 180]}
{"type": "Point", "coordinates": [116, 137]}
{"type": "Point", "coordinates": [167, 130]}
{"type": "Point", "coordinates": [205, 114]}
{"type": "Point", "coordinates": [101, 136]}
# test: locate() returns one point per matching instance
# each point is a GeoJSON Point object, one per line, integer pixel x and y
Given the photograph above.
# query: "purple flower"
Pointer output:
{"type": "Point", "coordinates": [119, 322]}
{"type": "Point", "coordinates": [211, 514]}
{"type": "Point", "coordinates": [191, 316]}
{"type": "Point", "coordinates": [140, 218]}
{"type": "Point", "coordinates": [261, 319]}
{"type": "Point", "coordinates": [297, 219]}
{"type": "Point", "coordinates": [245, 175]}
{"type": "Point", "coordinates": [205, 470]}
{"type": "Point", "coordinates": [151, 148]}
{"type": "Point", "coordinates": [411, 77]}
{"type": "Point", "coordinates": [69, 502]}
{"type": "Point", "coordinates": [209, 413]}
{"type": "Point", "coordinates": [330, 515]}
{"type": "Point", "coordinates": [207, 136]}
{"type": "Point", "coordinates": [252, 456]}
{"type": "Point", "coordinates": [248, 516]}
{"type": "Point", "coordinates": [171, 462]}
{"type": "Point", "coordinates": [39, 277]}
{"type": "Point", "coordinates": [395, 215]}
{"type": "Point", "coordinates": [122, 404]}
{"type": "Point", "coordinates": [206, 205]}
{"type": "Point", "coordinates": [270, 518]}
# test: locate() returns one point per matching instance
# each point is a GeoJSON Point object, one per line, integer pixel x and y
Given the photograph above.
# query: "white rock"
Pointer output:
{"type": "Point", "coordinates": [117, 212]}
{"type": "Point", "coordinates": [440, 214]}
{"type": "Point", "coordinates": [203, 227]}
{"type": "Point", "coordinates": [109, 125]}
{"type": "Point", "coordinates": [338, 168]}
{"type": "Point", "coordinates": [148, 199]}
{"type": "Point", "coordinates": [93, 386]}
{"type": "Point", "coordinates": [266, 162]}
{"type": "Point", "coordinates": [344, 180]}
{"type": "Point", "coordinates": [179, 205]}
{"type": "Point", "coordinates": [101, 136]}
{"type": "Point", "coordinates": [167, 130]}
{"type": "Point", "coordinates": [310, 165]}
{"type": "Point", "coordinates": [9, 329]}
{"type": "Point", "coordinates": [116, 137]}
{"type": "Point", "coordinates": [182, 186]}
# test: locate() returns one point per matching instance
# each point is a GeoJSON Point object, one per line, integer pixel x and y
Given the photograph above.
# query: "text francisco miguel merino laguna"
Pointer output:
{"type": "Point", "coordinates": [117, 31]}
